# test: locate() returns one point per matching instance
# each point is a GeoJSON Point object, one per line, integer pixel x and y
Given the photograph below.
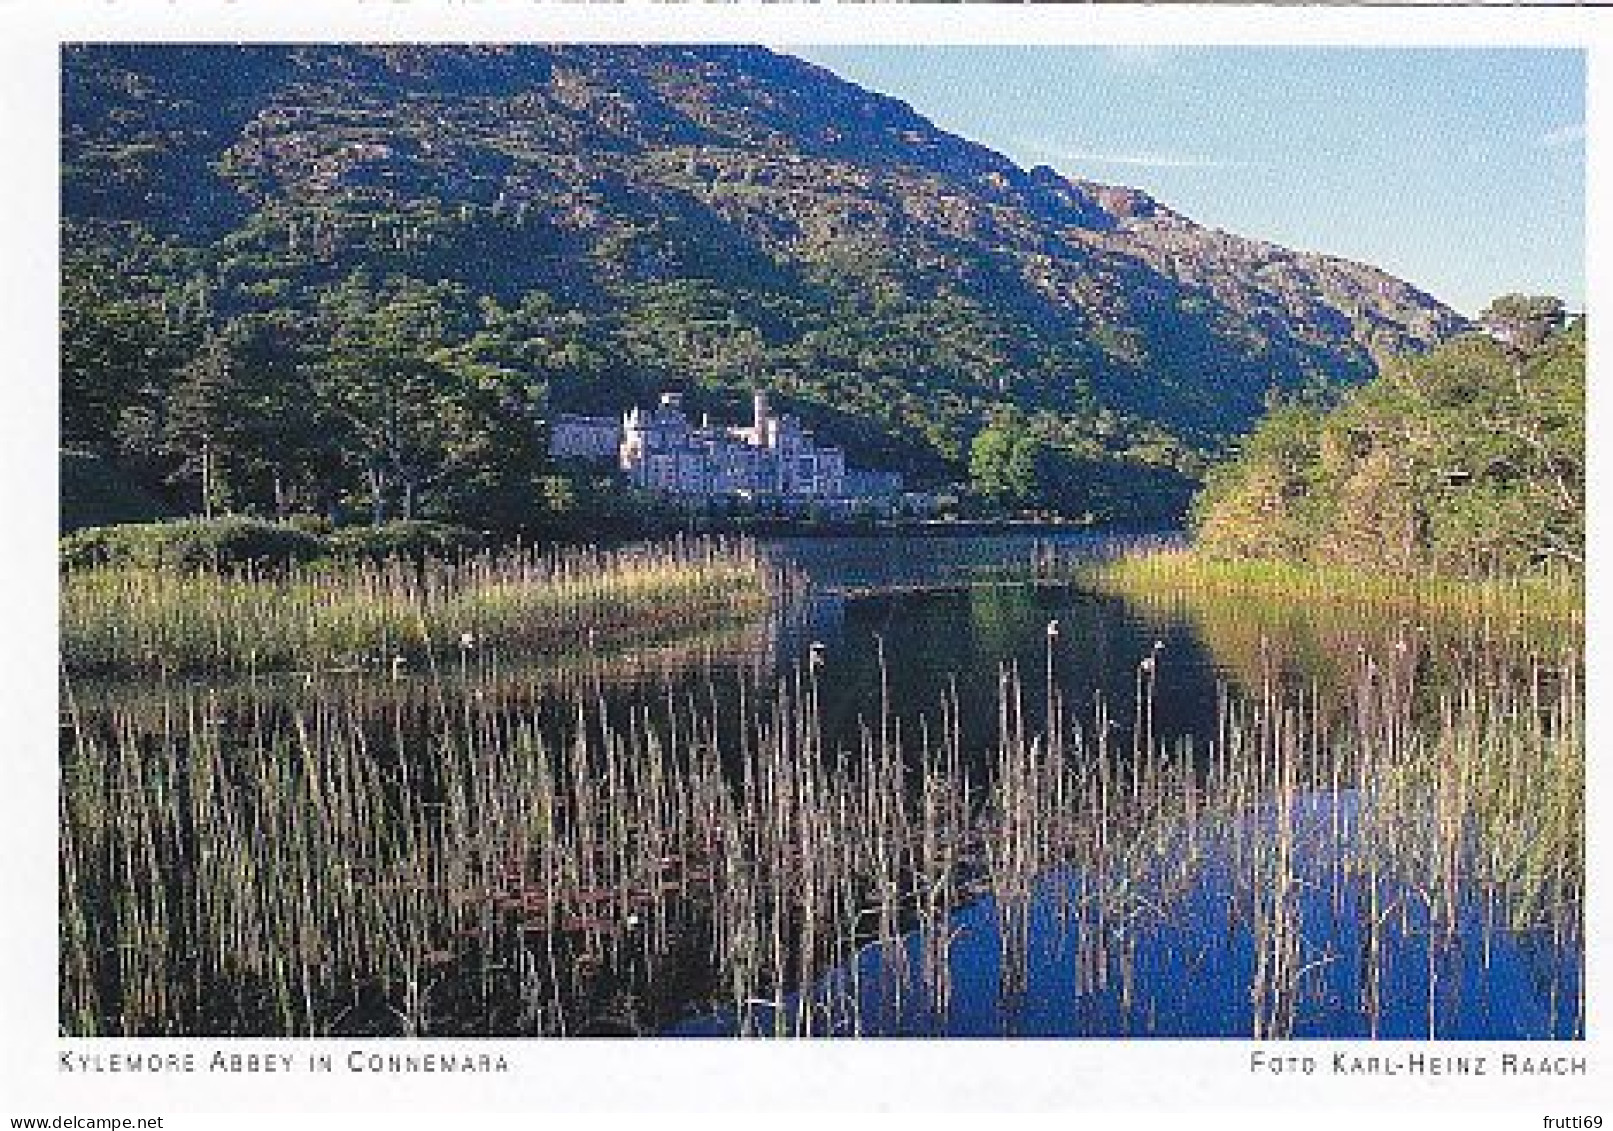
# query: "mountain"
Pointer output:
{"type": "Point", "coordinates": [626, 218]}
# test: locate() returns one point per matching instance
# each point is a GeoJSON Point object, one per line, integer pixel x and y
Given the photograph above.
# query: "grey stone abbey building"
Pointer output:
{"type": "Point", "coordinates": [772, 460]}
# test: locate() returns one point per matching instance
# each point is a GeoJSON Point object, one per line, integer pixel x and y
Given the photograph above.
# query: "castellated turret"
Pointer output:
{"type": "Point", "coordinates": [761, 420]}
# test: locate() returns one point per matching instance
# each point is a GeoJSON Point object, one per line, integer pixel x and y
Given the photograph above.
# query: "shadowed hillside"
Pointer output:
{"type": "Point", "coordinates": [355, 276]}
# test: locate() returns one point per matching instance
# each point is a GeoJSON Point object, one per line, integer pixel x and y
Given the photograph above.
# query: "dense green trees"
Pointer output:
{"type": "Point", "coordinates": [389, 398]}
{"type": "Point", "coordinates": [1019, 463]}
{"type": "Point", "coordinates": [1469, 459]}
{"type": "Point", "coordinates": [373, 396]}
{"type": "Point", "coordinates": [238, 424]}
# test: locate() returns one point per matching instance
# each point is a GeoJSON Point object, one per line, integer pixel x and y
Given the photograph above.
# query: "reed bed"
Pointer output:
{"type": "Point", "coordinates": [746, 647]}
{"type": "Point", "coordinates": [397, 612]}
{"type": "Point", "coordinates": [482, 868]}
{"type": "Point", "coordinates": [1550, 597]}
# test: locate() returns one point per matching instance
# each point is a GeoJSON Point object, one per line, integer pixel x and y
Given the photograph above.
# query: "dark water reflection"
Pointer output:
{"type": "Point", "coordinates": [935, 642]}
{"type": "Point", "coordinates": [910, 620]}
{"type": "Point", "coordinates": [921, 618]}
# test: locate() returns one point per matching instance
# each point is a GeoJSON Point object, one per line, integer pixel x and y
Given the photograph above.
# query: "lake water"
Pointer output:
{"type": "Point", "coordinates": [889, 629]}
{"type": "Point", "coordinates": [1477, 983]}
{"type": "Point", "coordinates": [930, 608]}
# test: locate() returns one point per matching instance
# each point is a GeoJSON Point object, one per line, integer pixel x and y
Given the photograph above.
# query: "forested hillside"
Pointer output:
{"type": "Point", "coordinates": [351, 279]}
{"type": "Point", "coordinates": [1467, 460]}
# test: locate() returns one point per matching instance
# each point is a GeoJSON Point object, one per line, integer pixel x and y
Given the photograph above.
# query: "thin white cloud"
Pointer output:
{"type": "Point", "coordinates": [1563, 136]}
{"type": "Point", "coordinates": [1141, 58]}
{"type": "Point", "coordinates": [1128, 158]}
{"type": "Point", "coordinates": [1148, 160]}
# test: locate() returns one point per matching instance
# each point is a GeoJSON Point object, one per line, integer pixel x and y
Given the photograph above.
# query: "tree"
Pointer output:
{"type": "Point", "coordinates": [434, 402]}
{"type": "Point", "coordinates": [204, 429]}
{"type": "Point", "coordinates": [120, 346]}
{"type": "Point", "coordinates": [1468, 459]}
{"type": "Point", "coordinates": [243, 425]}
{"type": "Point", "coordinates": [396, 405]}
{"type": "Point", "coordinates": [293, 437]}
{"type": "Point", "coordinates": [1005, 461]}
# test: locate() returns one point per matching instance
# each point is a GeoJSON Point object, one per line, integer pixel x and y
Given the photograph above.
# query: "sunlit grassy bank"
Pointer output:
{"type": "Point", "coordinates": [357, 613]}
{"type": "Point", "coordinates": [1170, 574]}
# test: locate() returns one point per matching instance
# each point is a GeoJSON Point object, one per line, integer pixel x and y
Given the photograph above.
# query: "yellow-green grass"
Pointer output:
{"type": "Point", "coordinates": [1545, 597]}
{"type": "Point", "coordinates": [354, 614]}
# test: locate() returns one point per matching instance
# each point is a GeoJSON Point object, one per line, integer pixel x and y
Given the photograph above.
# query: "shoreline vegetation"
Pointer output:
{"type": "Point", "coordinates": [1157, 576]}
{"type": "Point", "coordinates": [490, 877]}
{"type": "Point", "coordinates": [395, 612]}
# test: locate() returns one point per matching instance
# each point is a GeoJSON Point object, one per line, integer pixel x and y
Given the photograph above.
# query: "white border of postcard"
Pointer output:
{"type": "Point", "coordinates": [1143, 1082]}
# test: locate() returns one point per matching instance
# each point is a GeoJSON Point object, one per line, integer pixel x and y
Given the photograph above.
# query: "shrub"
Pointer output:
{"type": "Point", "coordinates": [192, 543]}
{"type": "Point", "coordinates": [309, 523]}
{"type": "Point", "coordinates": [412, 539]}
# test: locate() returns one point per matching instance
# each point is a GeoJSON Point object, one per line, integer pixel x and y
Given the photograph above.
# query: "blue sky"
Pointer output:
{"type": "Point", "coordinates": [1460, 170]}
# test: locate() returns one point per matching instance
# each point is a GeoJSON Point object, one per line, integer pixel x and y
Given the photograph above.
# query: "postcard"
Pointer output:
{"type": "Point", "coordinates": [801, 557]}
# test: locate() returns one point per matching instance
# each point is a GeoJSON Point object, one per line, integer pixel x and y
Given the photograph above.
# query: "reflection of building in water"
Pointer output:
{"type": "Point", "coordinates": [796, 625]}
{"type": "Point", "coordinates": [771, 459]}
